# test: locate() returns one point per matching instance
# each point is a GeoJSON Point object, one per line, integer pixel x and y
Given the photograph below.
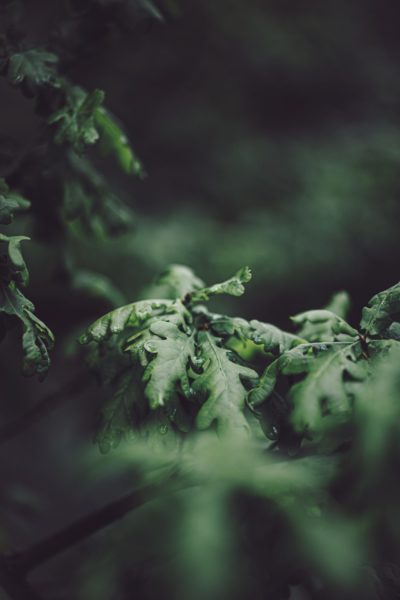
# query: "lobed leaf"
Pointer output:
{"type": "Point", "coordinates": [37, 339]}
{"type": "Point", "coordinates": [115, 321]}
{"type": "Point", "coordinates": [381, 312]}
{"type": "Point", "coordinates": [322, 326]}
{"type": "Point", "coordinates": [167, 371]}
{"type": "Point", "coordinates": [221, 385]}
{"type": "Point", "coordinates": [323, 398]}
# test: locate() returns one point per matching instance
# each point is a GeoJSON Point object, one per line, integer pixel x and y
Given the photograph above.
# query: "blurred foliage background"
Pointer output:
{"type": "Point", "coordinates": [270, 134]}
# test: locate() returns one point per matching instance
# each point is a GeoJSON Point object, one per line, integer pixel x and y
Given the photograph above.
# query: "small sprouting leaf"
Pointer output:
{"type": "Point", "coordinates": [10, 203]}
{"type": "Point", "coordinates": [167, 371]}
{"type": "Point", "coordinates": [221, 386]}
{"type": "Point", "coordinates": [76, 120]}
{"type": "Point", "coordinates": [233, 286]}
{"type": "Point", "coordinates": [33, 67]}
{"type": "Point", "coordinates": [37, 338]}
{"type": "Point", "coordinates": [177, 281]}
{"type": "Point", "coordinates": [322, 325]}
{"type": "Point", "coordinates": [381, 311]}
{"type": "Point", "coordinates": [114, 141]}
{"type": "Point", "coordinates": [339, 304]}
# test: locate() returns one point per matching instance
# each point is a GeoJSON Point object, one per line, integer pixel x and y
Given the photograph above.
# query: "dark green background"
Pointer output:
{"type": "Point", "coordinates": [270, 133]}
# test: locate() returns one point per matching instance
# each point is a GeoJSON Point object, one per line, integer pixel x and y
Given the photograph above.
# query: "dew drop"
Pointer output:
{"type": "Point", "coordinates": [163, 429]}
{"type": "Point", "coordinates": [273, 433]}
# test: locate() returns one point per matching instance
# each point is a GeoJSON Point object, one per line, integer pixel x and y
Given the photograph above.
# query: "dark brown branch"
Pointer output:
{"type": "Point", "coordinates": [16, 586]}
{"type": "Point", "coordinates": [43, 407]}
{"type": "Point", "coordinates": [79, 530]}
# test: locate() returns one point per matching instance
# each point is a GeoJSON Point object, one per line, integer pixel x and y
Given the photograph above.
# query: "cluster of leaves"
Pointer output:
{"type": "Point", "coordinates": [74, 119]}
{"type": "Point", "coordinates": [37, 339]}
{"type": "Point", "coordinates": [301, 513]}
{"type": "Point", "coordinates": [62, 184]}
{"type": "Point", "coordinates": [193, 369]}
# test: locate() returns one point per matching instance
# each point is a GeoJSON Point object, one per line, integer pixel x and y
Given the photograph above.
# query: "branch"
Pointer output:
{"type": "Point", "coordinates": [81, 529]}
{"type": "Point", "coordinates": [12, 582]}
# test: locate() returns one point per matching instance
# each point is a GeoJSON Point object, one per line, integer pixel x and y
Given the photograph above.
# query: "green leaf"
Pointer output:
{"type": "Point", "coordinates": [221, 386]}
{"type": "Point", "coordinates": [167, 372]}
{"type": "Point", "coordinates": [273, 339]}
{"type": "Point", "coordinates": [33, 67]}
{"type": "Point", "coordinates": [233, 286]}
{"type": "Point", "coordinates": [114, 141]}
{"type": "Point", "coordinates": [380, 313]}
{"type": "Point", "coordinates": [37, 339]}
{"type": "Point", "coordinates": [323, 399]}
{"type": "Point", "coordinates": [18, 270]}
{"type": "Point", "coordinates": [323, 326]}
{"type": "Point", "coordinates": [377, 415]}
{"type": "Point", "coordinates": [76, 120]}
{"type": "Point", "coordinates": [116, 321]}
{"type": "Point", "coordinates": [140, 341]}
{"type": "Point", "coordinates": [10, 203]}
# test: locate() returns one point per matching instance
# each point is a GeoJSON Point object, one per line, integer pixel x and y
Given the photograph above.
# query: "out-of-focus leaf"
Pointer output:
{"type": "Point", "coordinates": [75, 122]}
{"type": "Point", "coordinates": [339, 304]}
{"type": "Point", "coordinates": [89, 199]}
{"type": "Point", "coordinates": [37, 339]}
{"type": "Point", "coordinates": [114, 141]}
{"type": "Point", "coordinates": [98, 286]}
{"type": "Point", "coordinates": [34, 67]}
{"type": "Point", "coordinates": [10, 203]}
{"type": "Point", "coordinates": [16, 265]}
